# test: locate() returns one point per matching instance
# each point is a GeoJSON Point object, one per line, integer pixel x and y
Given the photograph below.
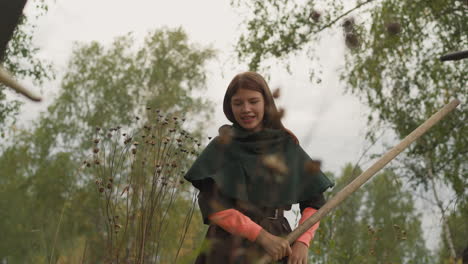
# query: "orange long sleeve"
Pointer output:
{"type": "Point", "coordinates": [309, 234]}
{"type": "Point", "coordinates": [239, 224]}
{"type": "Point", "coordinates": [236, 223]}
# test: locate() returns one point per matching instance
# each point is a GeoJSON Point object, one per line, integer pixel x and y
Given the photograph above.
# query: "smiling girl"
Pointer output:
{"type": "Point", "coordinates": [249, 180]}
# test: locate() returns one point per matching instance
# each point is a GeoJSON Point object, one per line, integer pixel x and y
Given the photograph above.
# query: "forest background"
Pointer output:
{"type": "Point", "coordinates": [354, 78]}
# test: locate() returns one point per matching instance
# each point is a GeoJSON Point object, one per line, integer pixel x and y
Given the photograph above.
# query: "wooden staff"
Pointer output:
{"type": "Point", "coordinates": [366, 175]}
{"type": "Point", "coordinates": [8, 80]}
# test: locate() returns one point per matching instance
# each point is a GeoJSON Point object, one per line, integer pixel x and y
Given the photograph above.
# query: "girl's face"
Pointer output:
{"type": "Point", "coordinates": [248, 108]}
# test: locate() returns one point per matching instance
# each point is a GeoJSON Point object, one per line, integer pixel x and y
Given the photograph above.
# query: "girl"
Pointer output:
{"type": "Point", "coordinates": [249, 175]}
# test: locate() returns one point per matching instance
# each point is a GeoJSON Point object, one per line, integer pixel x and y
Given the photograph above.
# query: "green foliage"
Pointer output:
{"type": "Point", "coordinates": [377, 224]}
{"type": "Point", "coordinates": [109, 86]}
{"type": "Point", "coordinates": [398, 75]}
{"type": "Point", "coordinates": [35, 189]}
{"type": "Point", "coordinates": [392, 66]}
{"type": "Point", "coordinates": [394, 227]}
{"type": "Point", "coordinates": [50, 206]}
{"type": "Point", "coordinates": [337, 239]}
{"type": "Point", "coordinates": [459, 227]}
{"type": "Point", "coordinates": [277, 29]}
{"type": "Point", "coordinates": [22, 60]}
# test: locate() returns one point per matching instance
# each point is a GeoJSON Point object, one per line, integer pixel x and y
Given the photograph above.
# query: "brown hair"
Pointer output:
{"type": "Point", "coordinates": [253, 81]}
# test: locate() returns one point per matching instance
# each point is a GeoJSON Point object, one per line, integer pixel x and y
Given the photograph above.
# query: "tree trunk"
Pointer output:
{"type": "Point", "coordinates": [445, 226]}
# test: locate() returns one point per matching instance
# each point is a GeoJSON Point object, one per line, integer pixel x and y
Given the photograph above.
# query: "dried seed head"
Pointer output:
{"type": "Point", "coordinates": [111, 180]}
{"type": "Point", "coordinates": [134, 151]}
{"type": "Point", "coordinates": [224, 138]}
{"type": "Point", "coordinates": [315, 15]}
{"type": "Point", "coordinates": [96, 141]}
{"type": "Point", "coordinates": [393, 28]}
{"type": "Point", "coordinates": [137, 118]}
{"type": "Point", "coordinates": [351, 41]}
{"type": "Point", "coordinates": [279, 115]}
{"type": "Point", "coordinates": [101, 189]}
{"type": "Point", "coordinates": [109, 135]}
{"type": "Point", "coordinates": [225, 134]}
{"type": "Point", "coordinates": [97, 162]}
{"type": "Point", "coordinates": [95, 150]}
{"type": "Point", "coordinates": [98, 128]}
{"type": "Point", "coordinates": [312, 166]}
{"type": "Point", "coordinates": [281, 112]}
{"type": "Point", "coordinates": [348, 25]}
{"type": "Point", "coordinates": [276, 93]}
{"type": "Point", "coordinates": [275, 163]}
{"type": "Point", "coordinates": [136, 143]}
{"type": "Point", "coordinates": [109, 185]}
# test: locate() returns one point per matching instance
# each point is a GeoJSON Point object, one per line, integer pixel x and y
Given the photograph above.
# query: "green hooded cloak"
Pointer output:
{"type": "Point", "coordinates": [266, 168]}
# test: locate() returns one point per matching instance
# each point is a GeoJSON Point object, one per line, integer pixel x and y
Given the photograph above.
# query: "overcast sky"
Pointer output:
{"type": "Point", "coordinates": [329, 124]}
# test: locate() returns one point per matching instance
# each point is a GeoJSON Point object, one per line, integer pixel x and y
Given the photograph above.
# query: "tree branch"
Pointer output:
{"type": "Point", "coordinates": [331, 23]}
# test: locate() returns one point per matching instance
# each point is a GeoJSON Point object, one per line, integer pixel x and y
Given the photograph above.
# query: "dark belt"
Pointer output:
{"type": "Point", "coordinates": [261, 212]}
{"type": "Point", "coordinates": [271, 213]}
